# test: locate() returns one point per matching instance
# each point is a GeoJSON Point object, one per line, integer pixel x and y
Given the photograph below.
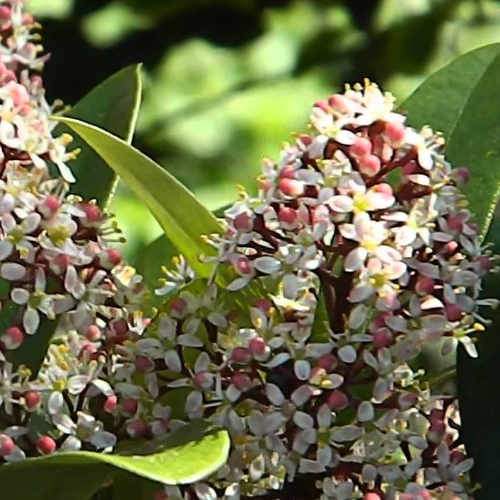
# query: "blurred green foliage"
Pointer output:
{"type": "Point", "coordinates": [228, 81]}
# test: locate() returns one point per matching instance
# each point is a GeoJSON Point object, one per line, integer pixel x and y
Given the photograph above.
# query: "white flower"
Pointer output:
{"type": "Point", "coordinates": [370, 235]}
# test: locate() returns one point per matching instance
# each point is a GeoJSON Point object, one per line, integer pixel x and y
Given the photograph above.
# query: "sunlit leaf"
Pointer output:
{"type": "Point", "coordinates": [460, 101]}
{"type": "Point", "coordinates": [188, 455]}
{"type": "Point", "coordinates": [114, 106]}
{"type": "Point", "coordinates": [183, 218]}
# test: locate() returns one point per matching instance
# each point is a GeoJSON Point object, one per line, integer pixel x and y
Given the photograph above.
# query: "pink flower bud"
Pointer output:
{"type": "Point", "coordinates": [453, 312]}
{"type": "Point", "coordinates": [291, 187]}
{"type": "Point", "coordinates": [287, 215]}
{"type": "Point", "coordinates": [92, 212]}
{"type": "Point", "coordinates": [264, 305]}
{"type": "Point", "coordinates": [424, 285]}
{"type": "Point", "coordinates": [7, 445]}
{"type": "Point", "coordinates": [243, 222]}
{"type": "Point", "coordinates": [328, 362]}
{"type": "Point", "coordinates": [45, 445]}
{"type": "Point", "coordinates": [93, 333]}
{"type": "Point", "coordinates": [369, 165]}
{"type": "Point", "coordinates": [32, 400]}
{"type": "Point", "coordinates": [382, 338]}
{"type": "Point", "coordinates": [372, 496]}
{"type": "Point", "coordinates": [178, 306]}
{"type": "Point", "coordinates": [130, 406]}
{"type": "Point", "coordinates": [49, 206]}
{"type": "Point", "coordinates": [110, 404]}
{"type": "Point", "coordinates": [258, 346]}
{"type": "Point", "coordinates": [13, 337]}
{"type": "Point", "coordinates": [5, 13]}
{"type": "Point", "coordinates": [241, 355]}
{"type": "Point", "coordinates": [449, 249]}
{"type": "Point", "coordinates": [337, 400]}
{"type": "Point", "coordinates": [241, 381]}
{"type": "Point", "coordinates": [113, 257]}
{"type": "Point", "coordinates": [395, 132]}
{"type": "Point", "coordinates": [242, 265]}
{"type": "Point", "coordinates": [144, 364]}
{"type": "Point", "coordinates": [361, 147]}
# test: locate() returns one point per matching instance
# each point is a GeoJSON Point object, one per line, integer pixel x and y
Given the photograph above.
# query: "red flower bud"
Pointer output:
{"type": "Point", "coordinates": [361, 147]}
{"type": "Point", "coordinates": [7, 445]}
{"type": "Point", "coordinates": [337, 400]}
{"type": "Point", "coordinates": [32, 400]}
{"type": "Point", "coordinates": [46, 445]}
{"type": "Point", "coordinates": [110, 404]}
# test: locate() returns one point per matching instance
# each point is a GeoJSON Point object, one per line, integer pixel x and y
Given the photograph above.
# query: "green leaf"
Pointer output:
{"type": "Point", "coordinates": [479, 398]}
{"type": "Point", "coordinates": [183, 218]}
{"type": "Point", "coordinates": [45, 481]}
{"type": "Point", "coordinates": [114, 106]}
{"type": "Point", "coordinates": [188, 455]}
{"type": "Point", "coordinates": [460, 101]}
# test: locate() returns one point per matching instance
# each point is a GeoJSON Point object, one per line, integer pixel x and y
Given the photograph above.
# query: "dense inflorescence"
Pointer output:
{"type": "Point", "coordinates": [306, 343]}
{"type": "Point", "coordinates": [57, 266]}
{"type": "Point", "coordinates": [358, 251]}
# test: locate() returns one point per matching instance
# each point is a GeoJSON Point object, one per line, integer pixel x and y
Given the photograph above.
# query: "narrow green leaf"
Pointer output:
{"type": "Point", "coordinates": [114, 106]}
{"type": "Point", "coordinates": [460, 101]}
{"type": "Point", "coordinates": [183, 218]}
{"type": "Point", "coordinates": [188, 455]}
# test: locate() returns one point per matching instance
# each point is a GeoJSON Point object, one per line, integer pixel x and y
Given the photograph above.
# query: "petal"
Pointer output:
{"type": "Point", "coordinates": [6, 248]}
{"type": "Point", "coordinates": [31, 320]}
{"type": "Point", "coordinates": [12, 271]}
{"type": "Point", "coordinates": [355, 259]}
{"type": "Point", "coordinates": [341, 203]}
{"type": "Point", "coordinates": [19, 296]}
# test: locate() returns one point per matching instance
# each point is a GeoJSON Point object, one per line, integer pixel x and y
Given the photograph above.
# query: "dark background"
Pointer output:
{"type": "Point", "coordinates": [227, 81]}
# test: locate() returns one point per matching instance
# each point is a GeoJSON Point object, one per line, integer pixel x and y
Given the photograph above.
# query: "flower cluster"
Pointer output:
{"type": "Point", "coordinates": [357, 252]}
{"type": "Point", "coordinates": [57, 266]}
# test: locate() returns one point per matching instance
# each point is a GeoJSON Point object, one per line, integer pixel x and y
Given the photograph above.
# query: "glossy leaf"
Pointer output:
{"type": "Point", "coordinates": [460, 101]}
{"type": "Point", "coordinates": [183, 218]}
{"type": "Point", "coordinates": [114, 106]}
{"type": "Point", "coordinates": [188, 455]}
{"type": "Point", "coordinates": [479, 396]}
